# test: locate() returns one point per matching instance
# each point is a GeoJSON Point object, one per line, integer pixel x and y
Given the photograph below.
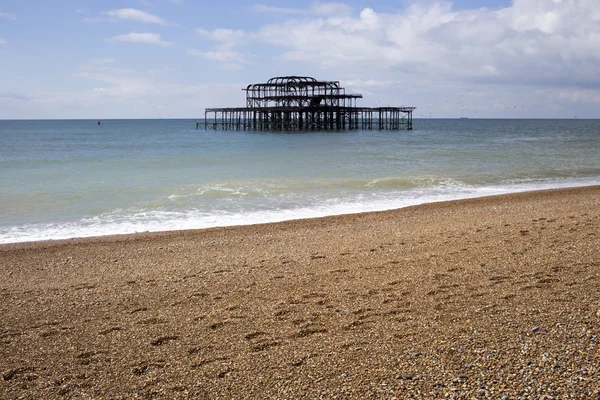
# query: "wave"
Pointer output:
{"type": "Point", "coordinates": [149, 219]}
{"type": "Point", "coordinates": [301, 191]}
{"type": "Point", "coordinates": [274, 188]}
{"type": "Point", "coordinates": [430, 181]}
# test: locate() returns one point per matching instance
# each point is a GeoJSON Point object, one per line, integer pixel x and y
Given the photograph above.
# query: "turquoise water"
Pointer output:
{"type": "Point", "coordinates": [73, 178]}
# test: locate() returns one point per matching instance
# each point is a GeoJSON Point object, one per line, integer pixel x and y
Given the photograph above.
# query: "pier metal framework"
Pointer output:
{"type": "Point", "coordinates": [299, 103]}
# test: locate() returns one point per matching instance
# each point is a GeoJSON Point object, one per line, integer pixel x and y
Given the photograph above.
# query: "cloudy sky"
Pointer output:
{"type": "Point", "coordinates": [173, 58]}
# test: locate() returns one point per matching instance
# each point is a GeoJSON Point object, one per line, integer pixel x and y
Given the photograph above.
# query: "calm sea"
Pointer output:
{"type": "Point", "coordinates": [73, 178]}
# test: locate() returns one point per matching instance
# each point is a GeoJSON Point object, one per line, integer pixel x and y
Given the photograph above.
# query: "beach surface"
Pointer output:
{"type": "Point", "coordinates": [496, 297]}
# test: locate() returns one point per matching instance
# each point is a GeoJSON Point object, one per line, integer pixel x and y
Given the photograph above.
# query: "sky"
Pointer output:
{"type": "Point", "coordinates": [173, 58]}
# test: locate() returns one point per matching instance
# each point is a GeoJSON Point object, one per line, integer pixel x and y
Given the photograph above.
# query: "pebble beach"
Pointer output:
{"type": "Point", "coordinates": [495, 297]}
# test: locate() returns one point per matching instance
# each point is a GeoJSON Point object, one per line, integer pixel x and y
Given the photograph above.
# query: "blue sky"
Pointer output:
{"type": "Point", "coordinates": [173, 58]}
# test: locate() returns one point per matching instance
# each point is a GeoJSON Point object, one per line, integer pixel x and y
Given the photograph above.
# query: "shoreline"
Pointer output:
{"type": "Point", "coordinates": [172, 231]}
{"type": "Point", "coordinates": [489, 296]}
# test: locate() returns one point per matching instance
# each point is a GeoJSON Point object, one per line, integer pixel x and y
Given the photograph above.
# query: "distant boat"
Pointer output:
{"type": "Point", "coordinates": [464, 117]}
{"type": "Point", "coordinates": [99, 123]}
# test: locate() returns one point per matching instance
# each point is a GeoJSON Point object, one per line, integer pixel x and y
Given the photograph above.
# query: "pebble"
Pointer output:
{"type": "Point", "coordinates": [477, 340]}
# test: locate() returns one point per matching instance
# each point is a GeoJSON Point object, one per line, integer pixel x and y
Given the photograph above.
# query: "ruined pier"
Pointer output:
{"type": "Point", "coordinates": [297, 103]}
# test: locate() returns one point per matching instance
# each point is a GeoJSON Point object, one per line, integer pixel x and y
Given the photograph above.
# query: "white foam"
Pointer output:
{"type": "Point", "coordinates": [133, 221]}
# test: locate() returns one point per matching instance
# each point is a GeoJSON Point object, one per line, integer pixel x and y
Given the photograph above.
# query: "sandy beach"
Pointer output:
{"type": "Point", "coordinates": [496, 297]}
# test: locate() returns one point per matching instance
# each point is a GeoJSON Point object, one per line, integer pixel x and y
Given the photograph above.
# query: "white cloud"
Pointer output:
{"type": "Point", "coordinates": [533, 58]}
{"type": "Point", "coordinates": [2, 41]}
{"type": "Point", "coordinates": [122, 93]}
{"type": "Point", "coordinates": [144, 37]}
{"type": "Point", "coordinates": [101, 61]}
{"type": "Point", "coordinates": [580, 95]}
{"type": "Point", "coordinates": [282, 10]}
{"type": "Point", "coordinates": [316, 8]}
{"type": "Point", "coordinates": [225, 52]}
{"type": "Point", "coordinates": [330, 9]}
{"type": "Point", "coordinates": [368, 82]}
{"type": "Point", "coordinates": [223, 35]}
{"type": "Point", "coordinates": [13, 96]}
{"type": "Point", "coordinates": [532, 41]}
{"type": "Point", "coordinates": [124, 86]}
{"type": "Point", "coordinates": [122, 82]}
{"type": "Point", "coordinates": [133, 14]}
{"type": "Point", "coordinates": [222, 55]}
{"type": "Point", "coordinates": [11, 16]}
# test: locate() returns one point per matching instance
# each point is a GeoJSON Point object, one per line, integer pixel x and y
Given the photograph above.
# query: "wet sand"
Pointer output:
{"type": "Point", "coordinates": [497, 297]}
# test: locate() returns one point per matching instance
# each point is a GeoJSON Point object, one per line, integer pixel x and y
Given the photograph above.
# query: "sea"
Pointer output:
{"type": "Point", "coordinates": [76, 178]}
